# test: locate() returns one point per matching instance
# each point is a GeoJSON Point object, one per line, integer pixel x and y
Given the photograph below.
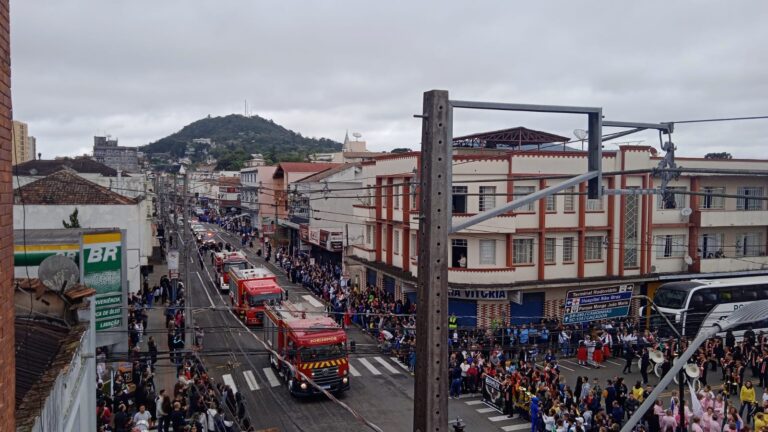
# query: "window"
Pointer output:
{"type": "Point", "coordinates": [396, 241]}
{"type": "Point", "coordinates": [413, 251]}
{"type": "Point", "coordinates": [488, 252]}
{"type": "Point", "coordinates": [567, 249]}
{"type": "Point", "coordinates": [396, 197]}
{"type": "Point", "coordinates": [670, 246]}
{"type": "Point", "coordinates": [521, 191]}
{"type": "Point", "coordinates": [523, 251]}
{"type": "Point", "coordinates": [552, 203]}
{"type": "Point", "coordinates": [383, 191]}
{"type": "Point", "coordinates": [369, 234]}
{"type": "Point", "coordinates": [749, 204]}
{"type": "Point", "coordinates": [384, 236]}
{"type": "Point", "coordinates": [487, 197]}
{"type": "Point", "coordinates": [672, 199]}
{"type": "Point", "coordinates": [549, 250]}
{"type": "Point", "coordinates": [711, 245]}
{"type": "Point", "coordinates": [594, 204]}
{"type": "Point", "coordinates": [458, 251]}
{"type": "Point", "coordinates": [593, 248]}
{"type": "Point", "coordinates": [413, 196]}
{"type": "Point", "coordinates": [569, 199]}
{"type": "Point", "coordinates": [750, 245]}
{"type": "Point", "coordinates": [710, 201]}
{"type": "Point", "coordinates": [459, 199]}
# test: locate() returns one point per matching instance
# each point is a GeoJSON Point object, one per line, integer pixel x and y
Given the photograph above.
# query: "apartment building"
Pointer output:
{"type": "Point", "coordinates": [522, 263]}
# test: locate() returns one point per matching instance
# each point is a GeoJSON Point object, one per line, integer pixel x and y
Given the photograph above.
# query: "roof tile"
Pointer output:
{"type": "Point", "coordinates": [67, 188]}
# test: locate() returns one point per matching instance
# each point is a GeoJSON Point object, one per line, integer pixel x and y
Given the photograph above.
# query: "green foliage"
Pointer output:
{"type": "Point", "coordinates": [401, 150]}
{"type": "Point", "coordinates": [720, 155]}
{"type": "Point", "coordinates": [74, 222]}
{"type": "Point", "coordinates": [237, 137]}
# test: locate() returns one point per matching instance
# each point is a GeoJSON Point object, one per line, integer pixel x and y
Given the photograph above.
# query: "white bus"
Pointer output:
{"type": "Point", "coordinates": [689, 305]}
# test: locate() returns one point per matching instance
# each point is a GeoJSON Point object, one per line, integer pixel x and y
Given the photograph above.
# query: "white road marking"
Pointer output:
{"type": "Point", "coordinates": [205, 288]}
{"type": "Point", "coordinates": [576, 364]}
{"type": "Point", "coordinates": [271, 377]}
{"type": "Point", "coordinates": [485, 410]}
{"type": "Point", "coordinates": [229, 381]}
{"type": "Point", "coordinates": [612, 362]}
{"type": "Point", "coordinates": [473, 402]}
{"type": "Point", "coordinates": [251, 380]}
{"type": "Point", "coordinates": [386, 365]}
{"type": "Point", "coordinates": [312, 301]}
{"type": "Point", "coordinates": [369, 366]}
{"type": "Point", "coordinates": [516, 427]}
{"type": "Point", "coordinates": [353, 371]}
{"type": "Point", "coordinates": [560, 365]}
{"type": "Point", "coordinates": [500, 418]}
{"type": "Point", "coordinates": [397, 362]}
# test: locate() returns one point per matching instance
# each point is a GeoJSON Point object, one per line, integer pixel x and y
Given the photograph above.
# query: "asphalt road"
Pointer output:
{"type": "Point", "coordinates": [381, 388]}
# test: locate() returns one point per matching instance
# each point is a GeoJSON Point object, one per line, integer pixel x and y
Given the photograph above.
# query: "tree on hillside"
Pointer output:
{"type": "Point", "coordinates": [74, 222]}
{"type": "Point", "coordinates": [718, 155]}
{"type": "Point", "coordinates": [401, 150]}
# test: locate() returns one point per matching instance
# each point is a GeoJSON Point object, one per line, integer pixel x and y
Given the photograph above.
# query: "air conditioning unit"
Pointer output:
{"type": "Point", "coordinates": [685, 213]}
{"type": "Point", "coordinates": [653, 269]}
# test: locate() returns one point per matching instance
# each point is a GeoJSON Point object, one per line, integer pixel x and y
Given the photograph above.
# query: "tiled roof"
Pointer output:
{"type": "Point", "coordinates": [67, 188]}
{"type": "Point", "coordinates": [42, 352]}
{"type": "Point", "coordinates": [229, 181]}
{"type": "Point", "coordinates": [82, 165]}
{"type": "Point", "coordinates": [327, 173]}
{"type": "Point", "coordinates": [305, 166]}
{"type": "Point", "coordinates": [363, 154]}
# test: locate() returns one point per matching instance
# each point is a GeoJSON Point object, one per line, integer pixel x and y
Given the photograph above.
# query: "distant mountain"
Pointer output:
{"type": "Point", "coordinates": [235, 137]}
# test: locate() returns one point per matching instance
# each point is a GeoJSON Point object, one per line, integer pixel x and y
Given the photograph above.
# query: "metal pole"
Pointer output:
{"type": "Point", "coordinates": [186, 245]}
{"type": "Point", "coordinates": [430, 400]}
{"type": "Point", "coordinates": [681, 382]}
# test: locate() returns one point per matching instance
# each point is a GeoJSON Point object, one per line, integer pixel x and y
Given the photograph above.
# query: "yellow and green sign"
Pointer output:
{"type": "Point", "coordinates": [33, 255]}
{"type": "Point", "coordinates": [103, 271]}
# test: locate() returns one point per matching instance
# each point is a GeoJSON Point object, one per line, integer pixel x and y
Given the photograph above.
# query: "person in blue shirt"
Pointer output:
{"type": "Point", "coordinates": [534, 413]}
{"type": "Point", "coordinates": [524, 336]}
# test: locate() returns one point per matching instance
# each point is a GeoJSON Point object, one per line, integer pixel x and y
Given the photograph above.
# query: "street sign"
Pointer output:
{"type": "Point", "coordinates": [594, 304]}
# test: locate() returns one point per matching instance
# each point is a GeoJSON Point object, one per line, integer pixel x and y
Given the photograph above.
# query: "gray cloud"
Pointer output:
{"type": "Point", "coordinates": [142, 69]}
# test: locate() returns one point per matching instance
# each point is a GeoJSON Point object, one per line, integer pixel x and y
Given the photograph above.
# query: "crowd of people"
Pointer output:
{"type": "Point", "coordinates": [128, 398]}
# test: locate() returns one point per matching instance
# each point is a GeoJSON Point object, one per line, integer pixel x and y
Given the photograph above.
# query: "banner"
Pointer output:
{"type": "Point", "coordinates": [493, 396]}
{"type": "Point", "coordinates": [173, 263]}
{"type": "Point", "coordinates": [103, 271]}
{"type": "Point", "coordinates": [304, 232]}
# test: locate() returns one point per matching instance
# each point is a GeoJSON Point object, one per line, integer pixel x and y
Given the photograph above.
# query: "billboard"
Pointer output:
{"type": "Point", "coordinates": [592, 304]}
{"type": "Point", "coordinates": [102, 270]}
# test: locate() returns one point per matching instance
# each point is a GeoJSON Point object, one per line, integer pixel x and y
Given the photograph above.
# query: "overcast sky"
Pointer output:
{"type": "Point", "coordinates": [142, 69]}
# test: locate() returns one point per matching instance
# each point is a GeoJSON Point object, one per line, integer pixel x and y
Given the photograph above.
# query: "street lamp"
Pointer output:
{"type": "Point", "coordinates": [752, 312]}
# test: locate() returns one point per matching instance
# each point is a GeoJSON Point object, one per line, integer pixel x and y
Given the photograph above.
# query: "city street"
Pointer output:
{"type": "Point", "coordinates": [381, 390]}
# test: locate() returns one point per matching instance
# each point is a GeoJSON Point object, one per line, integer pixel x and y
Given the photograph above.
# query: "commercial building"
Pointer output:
{"type": "Point", "coordinates": [521, 264]}
{"type": "Point", "coordinates": [353, 151]}
{"type": "Point", "coordinates": [106, 151]}
{"type": "Point", "coordinates": [256, 193]}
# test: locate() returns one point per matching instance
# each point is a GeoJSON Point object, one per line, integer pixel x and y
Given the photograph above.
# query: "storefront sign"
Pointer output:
{"type": "Point", "coordinates": [33, 255]}
{"type": "Point", "coordinates": [314, 236]}
{"type": "Point", "coordinates": [304, 232]}
{"type": "Point", "coordinates": [492, 394]}
{"type": "Point", "coordinates": [473, 294]}
{"type": "Point", "coordinates": [331, 240]}
{"type": "Point", "coordinates": [103, 271]}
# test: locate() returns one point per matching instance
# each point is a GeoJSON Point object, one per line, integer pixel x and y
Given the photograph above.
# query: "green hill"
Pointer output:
{"type": "Point", "coordinates": [236, 137]}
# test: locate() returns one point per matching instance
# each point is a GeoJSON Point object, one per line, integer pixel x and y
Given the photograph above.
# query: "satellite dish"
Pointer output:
{"type": "Point", "coordinates": [688, 260]}
{"type": "Point", "coordinates": [357, 135]}
{"type": "Point", "coordinates": [580, 133]}
{"type": "Point", "coordinates": [58, 273]}
{"type": "Point", "coordinates": [686, 211]}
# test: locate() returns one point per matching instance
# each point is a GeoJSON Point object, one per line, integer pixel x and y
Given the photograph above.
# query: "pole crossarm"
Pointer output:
{"type": "Point", "coordinates": [664, 127]}
{"type": "Point", "coordinates": [480, 217]}
{"type": "Point", "coordinates": [525, 107]}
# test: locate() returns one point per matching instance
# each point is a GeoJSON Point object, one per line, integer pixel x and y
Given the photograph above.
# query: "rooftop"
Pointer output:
{"type": "Point", "coordinates": [328, 172]}
{"type": "Point", "coordinates": [67, 188]}
{"type": "Point", "coordinates": [81, 165]}
{"type": "Point", "coordinates": [285, 167]}
{"type": "Point", "coordinates": [514, 137]}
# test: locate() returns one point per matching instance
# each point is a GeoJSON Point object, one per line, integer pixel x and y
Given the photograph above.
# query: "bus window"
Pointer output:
{"type": "Point", "coordinates": [710, 298]}
{"type": "Point", "coordinates": [738, 295]}
{"type": "Point", "coordinates": [762, 292]}
{"type": "Point", "coordinates": [726, 296]}
{"type": "Point", "coordinates": [697, 301]}
{"type": "Point", "coordinates": [749, 294]}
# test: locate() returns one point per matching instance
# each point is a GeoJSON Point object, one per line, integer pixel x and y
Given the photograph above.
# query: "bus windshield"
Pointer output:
{"type": "Point", "coordinates": [261, 299]}
{"type": "Point", "coordinates": [670, 298]}
{"type": "Point", "coordinates": [322, 352]}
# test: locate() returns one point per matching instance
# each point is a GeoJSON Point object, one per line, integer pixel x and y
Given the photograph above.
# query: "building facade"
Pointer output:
{"type": "Point", "coordinates": [23, 144]}
{"type": "Point", "coordinates": [521, 263]}
{"type": "Point", "coordinates": [106, 151]}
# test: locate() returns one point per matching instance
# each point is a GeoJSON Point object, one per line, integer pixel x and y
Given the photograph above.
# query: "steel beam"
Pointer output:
{"type": "Point", "coordinates": [525, 107]}
{"type": "Point", "coordinates": [664, 127]}
{"type": "Point", "coordinates": [480, 217]}
{"type": "Point", "coordinates": [430, 400]}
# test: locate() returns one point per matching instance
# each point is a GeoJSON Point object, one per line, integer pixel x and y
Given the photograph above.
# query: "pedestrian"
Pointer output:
{"type": "Point", "coordinates": [162, 411]}
{"type": "Point", "coordinates": [142, 418]}
{"type": "Point", "coordinates": [645, 363]}
{"type": "Point", "coordinates": [629, 355]}
{"type": "Point", "coordinates": [152, 348]}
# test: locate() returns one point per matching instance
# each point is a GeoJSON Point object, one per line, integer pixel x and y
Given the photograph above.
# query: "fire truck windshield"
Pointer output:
{"type": "Point", "coordinates": [322, 352]}
{"type": "Point", "coordinates": [261, 299]}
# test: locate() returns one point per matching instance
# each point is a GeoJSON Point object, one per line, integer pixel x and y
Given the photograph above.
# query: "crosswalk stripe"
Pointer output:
{"type": "Point", "coordinates": [499, 418]}
{"type": "Point", "coordinates": [353, 371]}
{"type": "Point", "coordinates": [251, 380]}
{"type": "Point", "coordinates": [397, 362]}
{"type": "Point", "coordinates": [485, 410]}
{"type": "Point", "coordinates": [516, 427]}
{"type": "Point", "coordinates": [229, 381]}
{"type": "Point", "coordinates": [271, 377]}
{"type": "Point", "coordinates": [313, 301]}
{"type": "Point", "coordinates": [386, 365]}
{"type": "Point", "coordinates": [473, 402]}
{"type": "Point", "coordinates": [369, 366]}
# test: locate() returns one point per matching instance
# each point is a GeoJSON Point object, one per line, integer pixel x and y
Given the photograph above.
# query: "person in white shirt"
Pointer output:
{"type": "Point", "coordinates": [141, 418]}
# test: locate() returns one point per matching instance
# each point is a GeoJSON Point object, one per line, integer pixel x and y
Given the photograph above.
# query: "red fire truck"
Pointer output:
{"type": "Point", "coordinates": [310, 343]}
{"type": "Point", "coordinates": [251, 291]}
{"type": "Point", "coordinates": [223, 262]}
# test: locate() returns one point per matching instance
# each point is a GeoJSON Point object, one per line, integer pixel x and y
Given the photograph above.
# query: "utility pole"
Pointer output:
{"type": "Point", "coordinates": [431, 385]}
{"type": "Point", "coordinates": [186, 245]}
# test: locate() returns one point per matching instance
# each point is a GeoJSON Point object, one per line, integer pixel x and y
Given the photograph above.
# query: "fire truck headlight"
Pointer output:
{"type": "Point", "coordinates": [345, 380]}
{"type": "Point", "coordinates": [303, 386]}
{"type": "Point", "coordinates": [346, 372]}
